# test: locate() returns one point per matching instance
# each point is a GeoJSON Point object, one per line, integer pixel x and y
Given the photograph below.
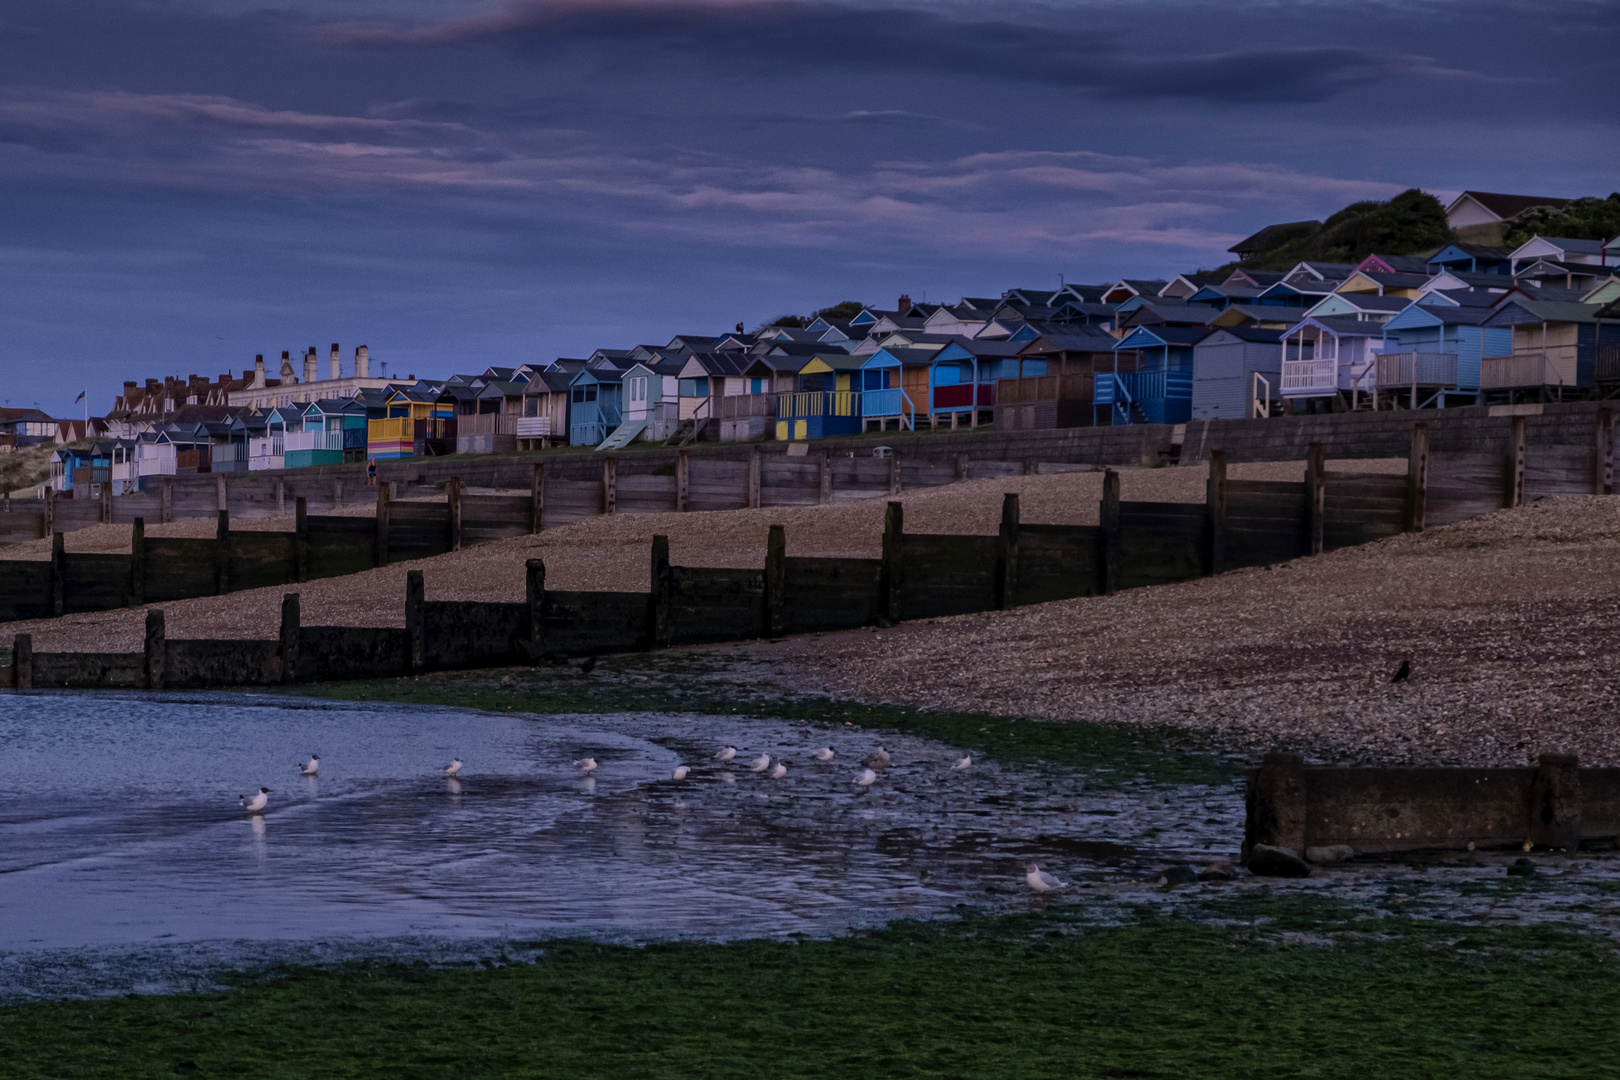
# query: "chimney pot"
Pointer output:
{"type": "Point", "coordinates": [362, 362]}
{"type": "Point", "coordinates": [311, 366]}
{"type": "Point", "coordinates": [905, 303]}
{"type": "Point", "coordinates": [337, 362]}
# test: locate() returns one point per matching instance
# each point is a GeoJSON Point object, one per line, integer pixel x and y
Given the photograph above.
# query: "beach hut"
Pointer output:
{"type": "Point", "coordinates": [1237, 373]}
{"type": "Point", "coordinates": [1152, 379]}
{"type": "Point", "coordinates": [1431, 355]}
{"type": "Point", "coordinates": [1328, 362]}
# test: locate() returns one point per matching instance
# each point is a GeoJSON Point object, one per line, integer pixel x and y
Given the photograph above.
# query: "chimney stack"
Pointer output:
{"type": "Point", "coordinates": [287, 377]}
{"type": "Point", "coordinates": [311, 366]}
{"type": "Point", "coordinates": [337, 362]}
{"type": "Point", "coordinates": [258, 372]}
{"type": "Point", "coordinates": [905, 303]}
{"type": "Point", "coordinates": [362, 362]}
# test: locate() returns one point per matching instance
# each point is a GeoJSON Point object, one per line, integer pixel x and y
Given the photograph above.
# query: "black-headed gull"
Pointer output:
{"type": "Point", "coordinates": [866, 779]}
{"type": "Point", "coordinates": [878, 759]}
{"type": "Point", "coordinates": [963, 762]}
{"type": "Point", "coordinates": [726, 753]}
{"type": "Point", "coordinates": [453, 768]}
{"type": "Point", "coordinates": [254, 803]}
{"type": "Point", "coordinates": [760, 764]}
{"type": "Point", "coordinates": [587, 765]}
{"type": "Point", "coordinates": [680, 772]}
{"type": "Point", "coordinates": [1040, 880]}
{"type": "Point", "coordinates": [312, 766]}
{"type": "Point", "coordinates": [779, 772]}
{"type": "Point", "coordinates": [826, 753]}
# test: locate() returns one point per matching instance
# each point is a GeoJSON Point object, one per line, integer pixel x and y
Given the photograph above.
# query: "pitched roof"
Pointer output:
{"type": "Point", "coordinates": [1263, 239]}
{"type": "Point", "coordinates": [1259, 335]}
{"type": "Point", "coordinates": [1505, 206]}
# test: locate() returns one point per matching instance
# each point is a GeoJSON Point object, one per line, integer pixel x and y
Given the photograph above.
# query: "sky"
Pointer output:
{"type": "Point", "coordinates": [459, 183]}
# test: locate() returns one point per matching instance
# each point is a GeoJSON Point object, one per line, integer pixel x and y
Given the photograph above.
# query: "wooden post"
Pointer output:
{"type": "Point", "coordinates": [961, 459]}
{"type": "Point", "coordinates": [1007, 555]}
{"type": "Point", "coordinates": [166, 501]}
{"type": "Point", "coordinates": [301, 538]}
{"type": "Point", "coordinates": [291, 622]}
{"type": "Point", "coordinates": [1276, 805]}
{"type": "Point", "coordinates": [1555, 803]}
{"type": "Point", "coordinates": [156, 649]}
{"type": "Point", "coordinates": [137, 564]}
{"type": "Point", "coordinates": [222, 554]}
{"type": "Point", "coordinates": [663, 581]}
{"type": "Point", "coordinates": [776, 582]}
{"type": "Point", "coordinates": [1603, 470]}
{"type": "Point", "coordinates": [1215, 502]}
{"type": "Point", "coordinates": [1417, 478]}
{"type": "Point", "coordinates": [537, 498]}
{"type": "Point", "coordinates": [753, 478]}
{"type": "Point", "coordinates": [106, 503]}
{"type": "Point", "coordinates": [337, 493]}
{"type": "Point", "coordinates": [824, 491]}
{"type": "Point", "coordinates": [281, 498]}
{"type": "Point", "coordinates": [610, 484]}
{"type": "Point", "coordinates": [894, 473]}
{"type": "Point", "coordinates": [380, 545]}
{"type": "Point", "coordinates": [452, 493]}
{"type": "Point", "coordinates": [22, 661]}
{"type": "Point", "coordinates": [58, 556]}
{"type": "Point", "coordinates": [416, 640]}
{"type": "Point", "coordinates": [892, 572]}
{"type": "Point", "coordinates": [1515, 493]}
{"type": "Point", "coordinates": [1108, 517]}
{"type": "Point", "coordinates": [47, 524]}
{"type": "Point", "coordinates": [534, 584]}
{"type": "Point", "coordinates": [1315, 497]}
{"type": "Point", "coordinates": [682, 480]}
{"type": "Point", "coordinates": [1029, 465]}
{"type": "Point", "coordinates": [221, 495]}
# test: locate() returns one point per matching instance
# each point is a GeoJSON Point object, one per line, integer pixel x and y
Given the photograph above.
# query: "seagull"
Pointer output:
{"type": "Point", "coordinates": [878, 759]}
{"type": "Point", "coordinates": [726, 754]}
{"type": "Point", "coordinates": [312, 766]}
{"type": "Point", "coordinates": [826, 753]}
{"type": "Point", "coordinates": [760, 764]}
{"type": "Point", "coordinates": [1404, 672]}
{"type": "Point", "coordinates": [680, 772]}
{"type": "Point", "coordinates": [962, 763]}
{"type": "Point", "coordinates": [254, 803]}
{"type": "Point", "coordinates": [1040, 880]}
{"type": "Point", "coordinates": [587, 765]}
{"type": "Point", "coordinates": [779, 772]}
{"type": "Point", "coordinates": [453, 768]}
{"type": "Point", "coordinates": [866, 779]}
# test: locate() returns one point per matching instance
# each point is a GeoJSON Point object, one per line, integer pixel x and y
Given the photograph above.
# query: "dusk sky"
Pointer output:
{"type": "Point", "coordinates": [456, 183]}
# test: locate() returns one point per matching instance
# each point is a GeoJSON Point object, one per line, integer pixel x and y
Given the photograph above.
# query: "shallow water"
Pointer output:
{"type": "Point", "coordinates": [125, 861]}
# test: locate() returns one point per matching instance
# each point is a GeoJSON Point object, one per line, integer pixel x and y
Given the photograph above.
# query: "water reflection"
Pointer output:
{"type": "Point", "coordinates": [119, 827]}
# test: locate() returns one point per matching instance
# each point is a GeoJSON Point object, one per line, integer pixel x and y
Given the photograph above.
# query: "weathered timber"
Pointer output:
{"type": "Point", "coordinates": [891, 579]}
{"type": "Point", "coordinates": [1215, 495]}
{"type": "Point", "coordinates": [712, 604]}
{"type": "Point", "coordinates": [380, 526]}
{"type": "Point", "coordinates": [415, 593]}
{"type": "Point", "coordinates": [660, 599]}
{"type": "Point", "coordinates": [154, 651]}
{"type": "Point", "coordinates": [222, 549]}
{"type": "Point", "coordinates": [1315, 498]}
{"type": "Point", "coordinates": [452, 496]}
{"type": "Point", "coordinates": [291, 635]}
{"type": "Point", "coordinates": [775, 582]}
{"type": "Point", "coordinates": [136, 594]}
{"type": "Point", "coordinates": [1108, 518]}
{"type": "Point", "coordinates": [1417, 478]}
{"type": "Point", "coordinates": [1007, 538]}
{"type": "Point", "coordinates": [1160, 543]}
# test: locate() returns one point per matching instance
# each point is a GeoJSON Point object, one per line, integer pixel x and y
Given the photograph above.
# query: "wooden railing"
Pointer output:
{"type": "Point", "coordinates": [1305, 376]}
{"type": "Point", "coordinates": [1530, 367]}
{"type": "Point", "coordinates": [1396, 370]}
{"type": "Point", "coordinates": [489, 424]}
{"type": "Point", "coordinates": [1043, 388]}
{"type": "Point", "coordinates": [1607, 364]}
{"type": "Point", "coordinates": [744, 406]}
{"type": "Point", "coordinates": [534, 427]}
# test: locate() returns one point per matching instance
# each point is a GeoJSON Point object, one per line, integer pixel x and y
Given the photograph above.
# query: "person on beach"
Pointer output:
{"type": "Point", "coordinates": [371, 472]}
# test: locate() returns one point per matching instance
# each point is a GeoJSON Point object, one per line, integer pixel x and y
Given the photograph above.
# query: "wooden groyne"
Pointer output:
{"type": "Point", "coordinates": [918, 576]}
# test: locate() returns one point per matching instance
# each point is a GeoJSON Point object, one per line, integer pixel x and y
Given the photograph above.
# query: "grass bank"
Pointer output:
{"type": "Point", "coordinates": [706, 683]}
{"type": "Point", "coordinates": [1285, 989]}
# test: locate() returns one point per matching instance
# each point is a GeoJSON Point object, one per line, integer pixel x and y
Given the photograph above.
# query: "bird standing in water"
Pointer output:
{"type": "Point", "coordinates": [726, 753]}
{"type": "Point", "coordinates": [312, 766]}
{"type": "Point", "coordinates": [878, 759]}
{"type": "Point", "coordinates": [587, 765]}
{"type": "Point", "coordinates": [256, 802]}
{"type": "Point", "coordinates": [1040, 880]}
{"type": "Point", "coordinates": [779, 772]}
{"type": "Point", "coordinates": [826, 753]}
{"type": "Point", "coordinates": [760, 764]}
{"type": "Point", "coordinates": [680, 772]}
{"type": "Point", "coordinates": [866, 779]}
{"type": "Point", "coordinates": [962, 763]}
{"type": "Point", "coordinates": [453, 768]}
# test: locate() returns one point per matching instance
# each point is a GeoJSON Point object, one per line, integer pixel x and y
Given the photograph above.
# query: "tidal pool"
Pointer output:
{"type": "Point", "coordinates": [126, 862]}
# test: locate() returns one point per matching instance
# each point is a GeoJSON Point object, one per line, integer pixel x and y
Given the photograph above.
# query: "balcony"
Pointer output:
{"type": "Point", "coordinates": [534, 427]}
{"type": "Point", "coordinates": [489, 424]}
{"type": "Point", "coordinates": [1407, 369]}
{"type": "Point", "coordinates": [314, 440]}
{"type": "Point", "coordinates": [746, 406]}
{"type": "Point", "coordinates": [1302, 378]}
{"type": "Point", "coordinates": [1529, 368]}
{"type": "Point", "coordinates": [1043, 388]}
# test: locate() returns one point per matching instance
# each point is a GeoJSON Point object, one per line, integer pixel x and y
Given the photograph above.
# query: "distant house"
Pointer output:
{"type": "Point", "coordinates": [1367, 306]}
{"type": "Point", "coordinates": [80, 471]}
{"type": "Point", "coordinates": [1478, 216]}
{"type": "Point", "coordinates": [595, 402]}
{"type": "Point", "coordinates": [1471, 259]}
{"type": "Point", "coordinates": [333, 432]}
{"type": "Point", "coordinates": [1558, 249]}
{"type": "Point", "coordinates": [545, 408]}
{"type": "Point", "coordinates": [26, 427]}
{"type": "Point", "coordinates": [1225, 364]}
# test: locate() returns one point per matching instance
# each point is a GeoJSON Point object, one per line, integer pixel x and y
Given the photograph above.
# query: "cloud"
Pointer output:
{"type": "Point", "coordinates": [1029, 44]}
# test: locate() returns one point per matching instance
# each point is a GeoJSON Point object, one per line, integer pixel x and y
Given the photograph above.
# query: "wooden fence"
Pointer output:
{"type": "Point", "coordinates": [918, 576]}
